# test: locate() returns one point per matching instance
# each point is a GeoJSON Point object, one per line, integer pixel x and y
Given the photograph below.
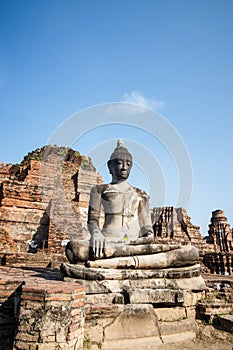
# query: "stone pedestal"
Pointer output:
{"type": "Point", "coordinates": [137, 308]}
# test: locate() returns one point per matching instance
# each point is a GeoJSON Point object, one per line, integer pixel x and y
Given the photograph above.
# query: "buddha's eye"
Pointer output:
{"type": "Point", "coordinates": [119, 162]}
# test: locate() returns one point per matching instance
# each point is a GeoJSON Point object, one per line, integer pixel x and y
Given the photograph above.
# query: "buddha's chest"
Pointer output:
{"type": "Point", "coordinates": [118, 202]}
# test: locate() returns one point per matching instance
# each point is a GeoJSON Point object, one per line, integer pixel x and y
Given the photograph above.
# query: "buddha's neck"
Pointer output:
{"type": "Point", "coordinates": [121, 185]}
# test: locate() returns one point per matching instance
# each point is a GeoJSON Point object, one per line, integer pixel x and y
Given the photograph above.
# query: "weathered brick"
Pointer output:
{"type": "Point", "coordinates": [58, 297]}
{"type": "Point", "coordinates": [35, 289]}
{"type": "Point", "coordinates": [78, 296]}
{"type": "Point", "coordinates": [77, 304]}
{"type": "Point", "coordinates": [46, 346]}
{"type": "Point", "coordinates": [75, 311]}
{"type": "Point", "coordinates": [27, 337]}
{"type": "Point", "coordinates": [22, 345]}
{"type": "Point", "coordinates": [73, 327]}
{"type": "Point", "coordinates": [33, 346]}
{"type": "Point", "coordinates": [76, 318]}
{"type": "Point", "coordinates": [32, 297]}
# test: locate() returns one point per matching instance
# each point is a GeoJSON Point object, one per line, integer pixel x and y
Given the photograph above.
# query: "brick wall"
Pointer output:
{"type": "Point", "coordinates": [39, 311]}
{"type": "Point", "coordinates": [51, 317]}
{"type": "Point", "coordinates": [41, 199]}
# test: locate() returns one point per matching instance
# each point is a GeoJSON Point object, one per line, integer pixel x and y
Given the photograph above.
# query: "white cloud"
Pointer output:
{"type": "Point", "coordinates": [134, 103]}
{"type": "Point", "coordinates": [137, 98]}
{"type": "Point", "coordinates": [125, 108]}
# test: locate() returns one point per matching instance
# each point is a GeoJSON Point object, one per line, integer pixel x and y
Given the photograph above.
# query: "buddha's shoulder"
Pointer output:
{"type": "Point", "coordinates": [100, 188]}
{"type": "Point", "coordinates": [140, 192]}
{"type": "Point", "coordinates": [109, 187]}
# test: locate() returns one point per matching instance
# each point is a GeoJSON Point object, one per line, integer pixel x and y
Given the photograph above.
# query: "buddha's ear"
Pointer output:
{"type": "Point", "coordinates": [110, 166]}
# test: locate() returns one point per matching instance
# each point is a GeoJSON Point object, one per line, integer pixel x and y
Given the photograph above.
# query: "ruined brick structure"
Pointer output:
{"type": "Point", "coordinates": [174, 225]}
{"type": "Point", "coordinates": [219, 259]}
{"type": "Point", "coordinates": [44, 200]}
{"type": "Point", "coordinates": [220, 233]}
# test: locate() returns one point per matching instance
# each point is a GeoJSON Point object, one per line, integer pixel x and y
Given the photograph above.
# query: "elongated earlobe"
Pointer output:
{"type": "Point", "coordinates": [110, 166]}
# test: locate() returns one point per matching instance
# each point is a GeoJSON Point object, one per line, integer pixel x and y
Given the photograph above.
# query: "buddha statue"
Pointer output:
{"type": "Point", "coordinates": [126, 212]}
{"type": "Point", "coordinates": [126, 208]}
{"type": "Point", "coordinates": [127, 230]}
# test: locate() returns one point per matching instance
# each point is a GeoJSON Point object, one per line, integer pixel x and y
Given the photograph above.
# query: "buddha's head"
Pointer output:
{"type": "Point", "coordinates": [120, 163]}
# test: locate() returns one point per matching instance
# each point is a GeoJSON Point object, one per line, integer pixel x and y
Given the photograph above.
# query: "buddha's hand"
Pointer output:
{"type": "Point", "coordinates": [146, 238]}
{"type": "Point", "coordinates": [98, 242]}
{"type": "Point", "coordinates": [148, 232]}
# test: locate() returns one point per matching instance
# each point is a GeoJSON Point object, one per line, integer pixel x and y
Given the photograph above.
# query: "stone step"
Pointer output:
{"type": "Point", "coordinates": [207, 310]}
{"type": "Point", "coordinates": [224, 322]}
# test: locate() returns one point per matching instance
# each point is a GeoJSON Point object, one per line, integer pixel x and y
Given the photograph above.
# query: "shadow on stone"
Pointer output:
{"type": "Point", "coordinates": [224, 323]}
{"type": "Point", "coordinates": [9, 316]}
{"type": "Point", "coordinates": [48, 273]}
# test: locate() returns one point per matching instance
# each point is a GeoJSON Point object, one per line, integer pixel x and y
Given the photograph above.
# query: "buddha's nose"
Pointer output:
{"type": "Point", "coordinates": [124, 166]}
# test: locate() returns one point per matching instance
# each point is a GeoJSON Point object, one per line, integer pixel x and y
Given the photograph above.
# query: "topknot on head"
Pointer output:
{"type": "Point", "coordinates": [121, 151]}
{"type": "Point", "coordinates": [120, 143]}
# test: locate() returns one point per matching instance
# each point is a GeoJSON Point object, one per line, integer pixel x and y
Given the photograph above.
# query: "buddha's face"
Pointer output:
{"type": "Point", "coordinates": [120, 168]}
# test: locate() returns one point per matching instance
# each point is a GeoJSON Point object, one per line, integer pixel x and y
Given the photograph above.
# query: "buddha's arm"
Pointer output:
{"type": "Point", "coordinates": [145, 217]}
{"type": "Point", "coordinates": [94, 210]}
{"type": "Point", "coordinates": [97, 238]}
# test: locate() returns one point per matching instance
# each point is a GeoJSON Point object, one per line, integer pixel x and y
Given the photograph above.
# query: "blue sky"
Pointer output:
{"type": "Point", "coordinates": [60, 57]}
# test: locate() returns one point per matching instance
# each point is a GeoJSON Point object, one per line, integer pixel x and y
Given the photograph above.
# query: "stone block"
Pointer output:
{"type": "Point", "coordinates": [149, 343]}
{"type": "Point", "coordinates": [128, 324]}
{"type": "Point", "coordinates": [191, 298]}
{"type": "Point", "coordinates": [193, 283]}
{"type": "Point", "coordinates": [155, 296]}
{"type": "Point", "coordinates": [191, 312]}
{"type": "Point", "coordinates": [105, 298]}
{"type": "Point", "coordinates": [121, 285]}
{"type": "Point", "coordinates": [172, 331]}
{"type": "Point", "coordinates": [170, 313]}
{"type": "Point", "coordinates": [94, 327]}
